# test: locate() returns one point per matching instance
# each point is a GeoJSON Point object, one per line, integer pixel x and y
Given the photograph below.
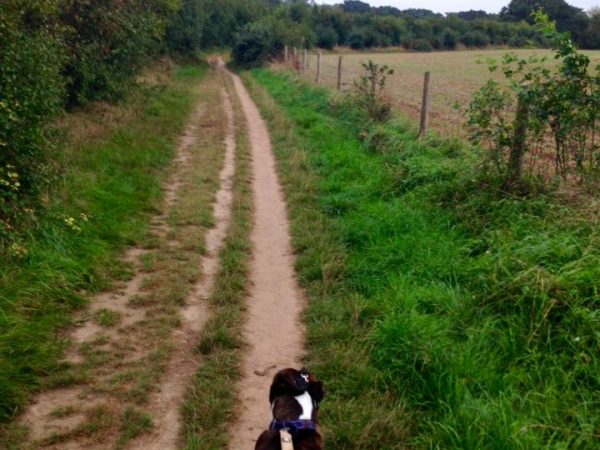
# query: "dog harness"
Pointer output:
{"type": "Point", "coordinates": [287, 428]}
{"type": "Point", "coordinates": [293, 426]}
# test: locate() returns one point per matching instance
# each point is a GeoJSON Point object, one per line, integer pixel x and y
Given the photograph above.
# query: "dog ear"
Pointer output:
{"type": "Point", "coordinates": [283, 383]}
{"type": "Point", "coordinates": [316, 391]}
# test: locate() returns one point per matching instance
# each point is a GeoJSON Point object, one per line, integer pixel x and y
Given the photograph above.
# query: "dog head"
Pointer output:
{"type": "Point", "coordinates": [294, 383]}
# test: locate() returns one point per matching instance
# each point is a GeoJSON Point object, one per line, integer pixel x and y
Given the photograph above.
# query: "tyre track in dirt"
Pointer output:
{"type": "Point", "coordinates": [164, 404]}
{"type": "Point", "coordinates": [275, 301]}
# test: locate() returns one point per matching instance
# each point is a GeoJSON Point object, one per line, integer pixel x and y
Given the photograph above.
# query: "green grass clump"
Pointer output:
{"type": "Point", "coordinates": [443, 313]}
{"type": "Point", "coordinates": [133, 423]}
{"type": "Point", "coordinates": [110, 187]}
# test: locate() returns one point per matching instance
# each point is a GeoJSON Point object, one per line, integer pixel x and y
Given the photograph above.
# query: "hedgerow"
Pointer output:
{"type": "Point", "coordinates": [55, 54]}
{"type": "Point", "coordinates": [31, 92]}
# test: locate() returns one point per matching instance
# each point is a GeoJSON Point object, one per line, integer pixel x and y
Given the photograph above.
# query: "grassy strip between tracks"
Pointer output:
{"type": "Point", "coordinates": [443, 314]}
{"type": "Point", "coordinates": [209, 406]}
{"type": "Point", "coordinates": [114, 159]}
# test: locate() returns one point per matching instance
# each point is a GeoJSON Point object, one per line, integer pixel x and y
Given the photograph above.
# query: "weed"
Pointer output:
{"type": "Point", "coordinates": [107, 318]}
{"type": "Point", "coordinates": [64, 411]}
{"type": "Point", "coordinates": [369, 91]}
{"type": "Point", "coordinates": [133, 423]}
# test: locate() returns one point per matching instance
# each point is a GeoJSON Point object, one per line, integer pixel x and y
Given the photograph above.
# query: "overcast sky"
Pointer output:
{"type": "Point", "coordinates": [443, 6]}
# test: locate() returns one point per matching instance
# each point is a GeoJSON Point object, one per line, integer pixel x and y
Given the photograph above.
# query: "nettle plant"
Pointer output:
{"type": "Point", "coordinates": [369, 91]}
{"type": "Point", "coordinates": [547, 113]}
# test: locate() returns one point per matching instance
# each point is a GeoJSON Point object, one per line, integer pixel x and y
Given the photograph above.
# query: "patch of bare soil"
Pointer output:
{"type": "Point", "coordinates": [275, 301]}
{"type": "Point", "coordinates": [125, 348]}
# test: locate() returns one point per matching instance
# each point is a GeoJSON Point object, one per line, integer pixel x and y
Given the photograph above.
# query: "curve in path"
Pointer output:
{"type": "Point", "coordinates": [275, 301]}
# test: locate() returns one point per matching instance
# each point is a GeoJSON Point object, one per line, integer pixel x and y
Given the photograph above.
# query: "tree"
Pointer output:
{"type": "Point", "coordinates": [355, 6]}
{"type": "Point", "coordinates": [592, 39]}
{"type": "Point", "coordinates": [567, 17]}
{"type": "Point", "coordinates": [184, 34]}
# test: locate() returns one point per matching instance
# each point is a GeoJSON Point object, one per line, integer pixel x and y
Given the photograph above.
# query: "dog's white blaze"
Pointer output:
{"type": "Point", "coordinates": [306, 403]}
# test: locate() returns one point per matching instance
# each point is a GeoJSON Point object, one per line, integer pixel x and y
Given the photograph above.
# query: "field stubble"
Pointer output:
{"type": "Point", "coordinates": [455, 76]}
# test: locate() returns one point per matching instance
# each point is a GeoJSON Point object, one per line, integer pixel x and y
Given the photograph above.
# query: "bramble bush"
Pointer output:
{"type": "Point", "coordinates": [555, 112]}
{"type": "Point", "coordinates": [31, 93]}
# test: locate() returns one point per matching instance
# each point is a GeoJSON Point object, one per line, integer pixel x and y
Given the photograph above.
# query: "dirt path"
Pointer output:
{"type": "Point", "coordinates": [144, 360]}
{"type": "Point", "coordinates": [275, 301]}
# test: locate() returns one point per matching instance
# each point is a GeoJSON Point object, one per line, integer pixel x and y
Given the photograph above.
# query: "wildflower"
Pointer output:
{"type": "Point", "coordinates": [18, 251]}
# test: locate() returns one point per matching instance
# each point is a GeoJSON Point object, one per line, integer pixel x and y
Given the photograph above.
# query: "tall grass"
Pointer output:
{"type": "Point", "coordinates": [109, 189]}
{"type": "Point", "coordinates": [443, 314]}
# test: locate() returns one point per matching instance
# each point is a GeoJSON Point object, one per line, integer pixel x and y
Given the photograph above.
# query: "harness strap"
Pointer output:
{"type": "Point", "coordinates": [286, 440]}
{"type": "Point", "coordinates": [293, 426]}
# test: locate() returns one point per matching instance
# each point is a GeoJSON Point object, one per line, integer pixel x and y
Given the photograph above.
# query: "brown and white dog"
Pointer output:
{"type": "Point", "coordinates": [294, 396]}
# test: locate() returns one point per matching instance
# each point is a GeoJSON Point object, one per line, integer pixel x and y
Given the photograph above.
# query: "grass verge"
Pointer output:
{"type": "Point", "coordinates": [209, 405]}
{"type": "Point", "coordinates": [442, 314]}
{"type": "Point", "coordinates": [114, 165]}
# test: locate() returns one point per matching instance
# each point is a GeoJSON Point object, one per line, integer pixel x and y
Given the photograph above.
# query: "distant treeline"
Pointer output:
{"type": "Point", "coordinates": [62, 53]}
{"type": "Point", "coordinates": [260, 28]}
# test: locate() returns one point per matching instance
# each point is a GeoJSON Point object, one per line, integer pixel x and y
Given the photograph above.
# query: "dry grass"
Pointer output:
{"type": "Point", "coordinates": [454, 78]}
{"type": "Point", "coordinates": [96, 120]}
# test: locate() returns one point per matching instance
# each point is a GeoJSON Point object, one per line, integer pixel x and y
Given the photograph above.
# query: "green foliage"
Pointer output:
{"type": "Point", "coordinates": [253, 46]}
{"type": "Point", "coordinates": [326, 37]}
{"type": "Point", "coordinates": [31, 92]}
{"type": "Point", "coordinates": [421, 45]}
{"type": "Point", "coordinates": [55, 53]}
{"type": "Point", "coordinates": [369, 92]}
{"type": "Point", "coordinates": [562, 103]}
{"type": "Point", "coordinates": [184, 33]}
{"type": "Point", "coordinates": [442, 314]}
{"type": "Point", "coordinates": [475, 39]}
{"type": "Point", "coordinates": [108, 42]}
{"type": "Point", "coordinates": [568, 18]}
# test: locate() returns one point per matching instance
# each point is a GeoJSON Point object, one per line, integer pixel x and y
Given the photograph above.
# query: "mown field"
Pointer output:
{"type": "Point", "coordinates": [443, 314]}
{"type": "Point", "coordinates": [454, 78]}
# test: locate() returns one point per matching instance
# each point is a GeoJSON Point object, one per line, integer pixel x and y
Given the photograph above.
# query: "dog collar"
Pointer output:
{"type": "Point", "coordinates": [293, 426]}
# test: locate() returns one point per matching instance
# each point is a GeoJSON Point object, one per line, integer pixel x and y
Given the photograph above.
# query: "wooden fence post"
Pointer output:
{"type": "Point", "coordinates": [517, 149]}
{"type": "Point", "coordinates": [318, 76]}
{"type": "Point", "coordinates": [287, 56]}
{"type": "Point", "coordinates": [295, 61]}
{"type": "Point", "coordinates": [304, 60]}
{"type": "Point", "coordinates": [339, 74]}
{"type": "Point", "coordinates": [425, 107]}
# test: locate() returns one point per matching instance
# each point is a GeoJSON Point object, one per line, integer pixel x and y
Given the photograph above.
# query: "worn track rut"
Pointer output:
{"type": "Point", "coordinates": [273, 329]}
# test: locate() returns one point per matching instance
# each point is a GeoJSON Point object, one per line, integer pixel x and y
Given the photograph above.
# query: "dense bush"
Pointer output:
{"type": "Point", "coordinates": [556, 111]}
{"type": "Point", "coordinates": [326, 37]}
{"type": "Point", "coordinates": [108, 41]}
{"type": "Point", "coordinates": [421, 45]}
{"type": "Point", "coordinates": [253, 46]}
{"type": "Point", "coordinates": [475, 39]}
{"type": "Point", "coordinates": [31, 92]}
